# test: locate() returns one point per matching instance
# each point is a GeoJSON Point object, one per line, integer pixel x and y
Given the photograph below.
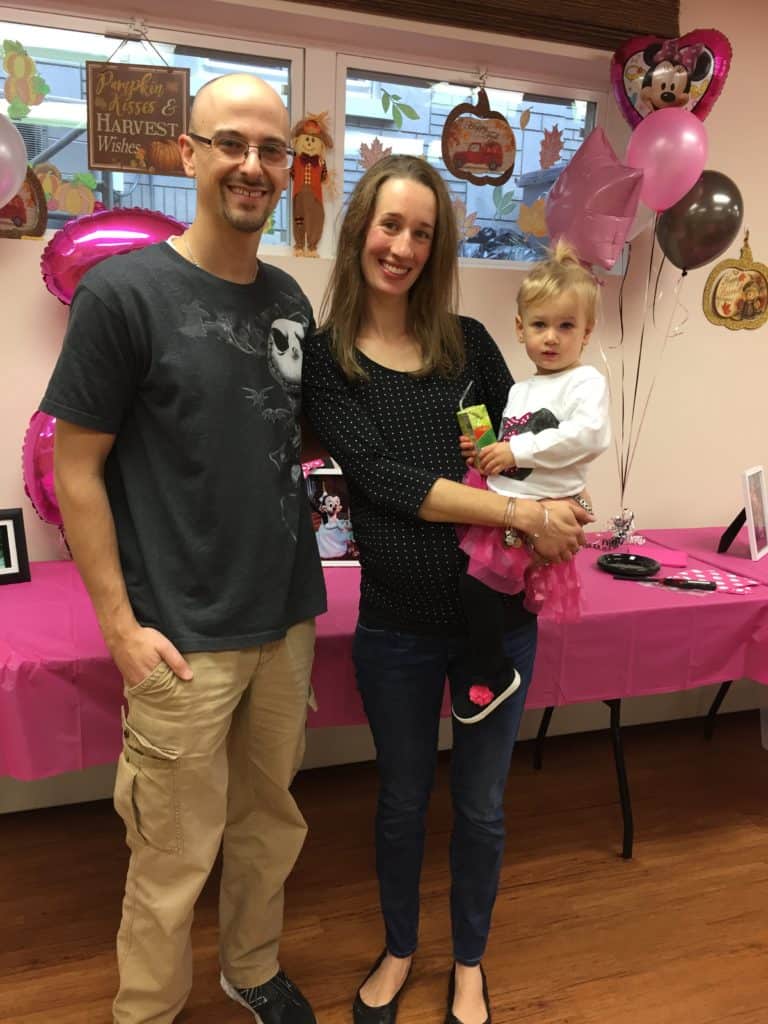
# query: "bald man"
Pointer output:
{"type": "Point", "coordinates": [178, 476]}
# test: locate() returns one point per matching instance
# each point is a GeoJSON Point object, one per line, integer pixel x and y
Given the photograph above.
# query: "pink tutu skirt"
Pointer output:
{"type": "Point", "coordinates": [552, 591]}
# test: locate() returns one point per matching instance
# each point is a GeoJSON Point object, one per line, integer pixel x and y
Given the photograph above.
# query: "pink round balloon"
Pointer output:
{"type": "Point", "coordinates": [593, 201]}
{"type": "Point", "coordinates": [37, 465]}
{"type": "Point", "coordinates": [670, 147]}
{"type": "Point", "coordinates": [86, 241]}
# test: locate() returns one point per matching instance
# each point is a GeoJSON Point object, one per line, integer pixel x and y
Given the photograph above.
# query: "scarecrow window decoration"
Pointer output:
{"type": "Point", "coordinates": [310, 139]}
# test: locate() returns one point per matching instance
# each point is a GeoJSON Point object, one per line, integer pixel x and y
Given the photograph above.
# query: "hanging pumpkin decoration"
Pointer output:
{"type": "Point", "coordinates": [26, 213]}
{"type": "Point", "coordinates": [736, 292]}
{"type": "Point", "coordinates": [478, 143]}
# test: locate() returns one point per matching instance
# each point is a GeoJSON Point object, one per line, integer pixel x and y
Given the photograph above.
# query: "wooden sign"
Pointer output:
{"type": "Point", "coordinates": [136, 112]}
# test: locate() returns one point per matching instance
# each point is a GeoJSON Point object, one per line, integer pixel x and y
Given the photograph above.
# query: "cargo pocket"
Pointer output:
{"type": "Point", "coordinates": [146, 792]}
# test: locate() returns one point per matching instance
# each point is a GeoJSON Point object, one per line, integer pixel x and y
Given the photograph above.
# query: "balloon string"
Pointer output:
{"type": "Point", "coordinates": [656, 289]}
{"type": "Point", "coordinates": [675, 294]}
{"type": "Point", "coordinates": [612, 393]}
{"type": "Point", "coordinates": [626, 450]}
{"type": "Point", "coordinates": [623, 366]}
{"type": "Point", "coordinates": [609, 372]}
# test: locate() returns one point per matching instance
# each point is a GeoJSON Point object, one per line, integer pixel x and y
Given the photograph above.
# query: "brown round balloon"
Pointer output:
{"type": "Point", "coordinates": [701, 225]}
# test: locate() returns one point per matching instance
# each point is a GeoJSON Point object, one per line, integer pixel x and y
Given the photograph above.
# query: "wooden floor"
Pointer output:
{"type": "Point", "coordinates": [678, 935]}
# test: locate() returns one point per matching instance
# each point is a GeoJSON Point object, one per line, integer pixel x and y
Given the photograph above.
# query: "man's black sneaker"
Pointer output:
{"type": "Point", "coordinates": [277, 1001]}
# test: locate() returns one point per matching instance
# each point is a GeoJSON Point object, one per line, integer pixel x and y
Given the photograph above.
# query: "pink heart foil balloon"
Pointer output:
{"type": "Point", "coordinates": [649, 73]}
{"type": "Point", "coordinates": [85, 241]}
{"type": "Point", "coordinates": [37, 467]}
{"type": "Point", "coordinates": [593, 202]}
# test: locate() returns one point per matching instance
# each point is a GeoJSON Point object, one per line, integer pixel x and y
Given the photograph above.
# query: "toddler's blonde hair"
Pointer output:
{"type": "Point", "coordinates": [561, 272]}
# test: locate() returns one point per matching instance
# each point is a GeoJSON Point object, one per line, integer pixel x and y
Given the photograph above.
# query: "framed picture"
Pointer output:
{"type": "Point", "coordinates": [756, 507]}
{"type": "Point", "coordinates": [14, 564]}
{"type": "Point", "coordinates": [329, 501]}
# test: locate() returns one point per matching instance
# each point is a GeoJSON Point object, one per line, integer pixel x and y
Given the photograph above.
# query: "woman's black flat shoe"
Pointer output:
{"type": "Point", "coordinates": [362, 1013]}
{"type": "Point", "coordinates": [450, 1016]}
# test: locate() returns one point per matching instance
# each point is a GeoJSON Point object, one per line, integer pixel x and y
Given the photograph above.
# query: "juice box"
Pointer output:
{"type": "Point", "coordinates": [475, 422]}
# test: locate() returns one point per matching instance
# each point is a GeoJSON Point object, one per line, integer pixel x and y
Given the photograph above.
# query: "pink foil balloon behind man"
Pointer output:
{"type": "Point", "coordinates": [85, 241]}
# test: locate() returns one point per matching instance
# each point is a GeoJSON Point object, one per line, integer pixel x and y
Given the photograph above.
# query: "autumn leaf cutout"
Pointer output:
{"type": "Point", "coordinates": [465, 223]}
{"type": "Point", "coordinates": [551, 146]}
{"type": "Point", "coordinates": [370, 155]}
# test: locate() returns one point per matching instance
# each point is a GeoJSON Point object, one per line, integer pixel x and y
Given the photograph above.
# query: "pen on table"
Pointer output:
{"type": "Point", "coordinates": [671, 581]}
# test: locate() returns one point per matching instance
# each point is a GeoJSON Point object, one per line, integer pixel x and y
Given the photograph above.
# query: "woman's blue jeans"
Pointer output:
{"type": "Point", "coordinates": [401, 677]}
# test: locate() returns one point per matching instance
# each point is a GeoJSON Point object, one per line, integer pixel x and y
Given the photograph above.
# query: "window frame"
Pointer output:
{"type": "Point", "coordinates": [346, 61]}
{"type": "Point", "coordinates": [294, 56]}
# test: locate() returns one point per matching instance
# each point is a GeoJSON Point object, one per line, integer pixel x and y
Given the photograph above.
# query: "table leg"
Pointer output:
{"type": "Point", "coordinates": [621, 775]}
{"type": "Point", "coordinates": [538, 746]}
{"type": "Point", "coordinates": [709, 722]}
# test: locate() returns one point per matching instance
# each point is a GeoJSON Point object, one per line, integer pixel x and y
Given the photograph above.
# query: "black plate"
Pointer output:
{"type": "Point", "coordinates": [634, 566]}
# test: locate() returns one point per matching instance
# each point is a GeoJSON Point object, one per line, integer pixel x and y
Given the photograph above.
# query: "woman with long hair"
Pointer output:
{"type": "Point", "coordinates": [383, 379]}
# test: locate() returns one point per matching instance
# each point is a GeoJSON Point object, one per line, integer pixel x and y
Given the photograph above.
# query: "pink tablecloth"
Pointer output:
{"type": "Point", "coordinates": [60, 694]}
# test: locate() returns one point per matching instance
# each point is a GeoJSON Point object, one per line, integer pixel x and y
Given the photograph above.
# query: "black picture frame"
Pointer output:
{"type": "Point", "coordinates": [14, 562]}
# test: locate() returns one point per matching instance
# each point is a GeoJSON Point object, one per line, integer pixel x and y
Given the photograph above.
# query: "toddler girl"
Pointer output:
{"type": "Point", "coordinates": [553, 425]}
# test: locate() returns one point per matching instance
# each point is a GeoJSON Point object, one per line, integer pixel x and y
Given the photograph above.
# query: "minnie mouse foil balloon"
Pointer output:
{"type": "Point", "coordinates": [649, 73]}
{"type": "Point", "coordinates": [85, 241]}
{"type": "Point", "coordinates": [37, 465]}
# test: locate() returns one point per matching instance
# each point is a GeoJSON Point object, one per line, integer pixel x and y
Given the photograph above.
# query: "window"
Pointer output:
{"type": "Point", "coordinates": [55, 131]}
{"type": "Point", "coordinates": [402, 114]}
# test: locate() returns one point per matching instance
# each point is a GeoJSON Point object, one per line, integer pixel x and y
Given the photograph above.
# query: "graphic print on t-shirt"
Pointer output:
{"type": "Point", "coordinates": [277, 342]}
{"type": "Point", "coordinates": [529, 423]}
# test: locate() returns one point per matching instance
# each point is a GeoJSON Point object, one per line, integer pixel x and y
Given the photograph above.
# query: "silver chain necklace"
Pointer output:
{"type": "Point", "coordinates": [189, 251]}
{"type": "Point", "coordinates": [192, 257]}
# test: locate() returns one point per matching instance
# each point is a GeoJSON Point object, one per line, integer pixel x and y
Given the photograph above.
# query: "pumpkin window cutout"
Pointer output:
{"type": "Point", "coordinates": [736, 292]}
{"type": "Point", "coordinates": [26, 213]}
{"type": "Point", "coordinates": [478, 143]}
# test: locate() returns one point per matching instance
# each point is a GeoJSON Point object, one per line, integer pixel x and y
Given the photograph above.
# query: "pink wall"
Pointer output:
{"type": "Point", "coordinates": [706, 418]}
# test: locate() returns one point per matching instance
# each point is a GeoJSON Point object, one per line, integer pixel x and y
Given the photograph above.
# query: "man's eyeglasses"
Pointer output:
{"type": "Point", "coordinates": [233, 149]}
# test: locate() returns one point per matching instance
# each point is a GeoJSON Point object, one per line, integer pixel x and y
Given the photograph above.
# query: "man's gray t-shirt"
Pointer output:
{"type": "Point", "coordinates": [200, 381]}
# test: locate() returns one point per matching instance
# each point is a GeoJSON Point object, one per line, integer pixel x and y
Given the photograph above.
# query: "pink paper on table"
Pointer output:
{"type": "Point", "coordinates": [665, 556]}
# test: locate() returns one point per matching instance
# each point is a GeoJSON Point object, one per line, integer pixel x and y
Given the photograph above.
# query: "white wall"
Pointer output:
{"type": "Point", "coordinates": [706, 418]}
